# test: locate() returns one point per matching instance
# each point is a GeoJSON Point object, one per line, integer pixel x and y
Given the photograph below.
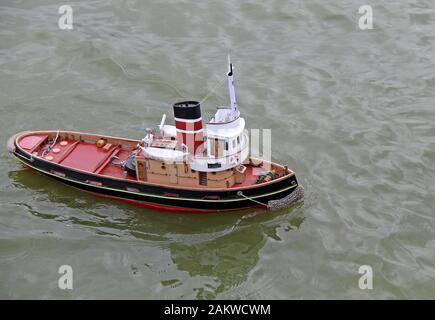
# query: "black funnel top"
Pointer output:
{"type": "Point", "coordinates": [187, 110]}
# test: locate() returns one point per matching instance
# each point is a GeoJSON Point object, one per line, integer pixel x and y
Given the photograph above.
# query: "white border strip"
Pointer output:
{"type": "Point", "coordinates": [189, 131]}
{"type": "Point", "coordinates": [188, 120]}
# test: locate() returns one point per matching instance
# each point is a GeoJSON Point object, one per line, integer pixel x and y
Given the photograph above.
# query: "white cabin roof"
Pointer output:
{"type": "Point", "coordinates": [225, 114]}
{"type": "Point", "coordinates": [226, 130]}
{"type": "Point", "coordinates": [163, 154]}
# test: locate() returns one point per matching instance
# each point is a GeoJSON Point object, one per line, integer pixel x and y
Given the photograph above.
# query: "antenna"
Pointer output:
{"type": "Point", "coordinates": [231, 90]}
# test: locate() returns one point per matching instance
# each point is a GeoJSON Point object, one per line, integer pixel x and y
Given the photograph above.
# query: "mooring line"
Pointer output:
{"type": "Point", "coordinates": [240, 194]}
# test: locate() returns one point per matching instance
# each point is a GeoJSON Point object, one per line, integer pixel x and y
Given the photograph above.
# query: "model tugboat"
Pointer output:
{"type": "Point", "coordinates": [181, 167]}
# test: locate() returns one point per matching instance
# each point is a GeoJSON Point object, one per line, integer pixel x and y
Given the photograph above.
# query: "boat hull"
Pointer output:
{"type": "Point", "coordinates": [160, 197]}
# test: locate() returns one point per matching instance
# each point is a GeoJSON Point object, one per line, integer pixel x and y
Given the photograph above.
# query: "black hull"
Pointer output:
{"type": "Point", "coordinates": [161, 196]}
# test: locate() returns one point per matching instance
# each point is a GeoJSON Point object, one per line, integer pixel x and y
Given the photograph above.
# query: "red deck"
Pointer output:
{"type": "Point", "coordinates": [85, 156]}
{"type": "Point", "coordinates": [116, 171]}
{"type": "Point", "coordinates": [31, 142]}
{"type": "Point", "coordinates": [79, 155]}
{"type": "Point", "coordinates": [250, 179]}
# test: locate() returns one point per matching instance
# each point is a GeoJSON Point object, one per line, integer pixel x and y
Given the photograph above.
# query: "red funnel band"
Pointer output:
{"type": "Point", "coordinates": [188, 126]}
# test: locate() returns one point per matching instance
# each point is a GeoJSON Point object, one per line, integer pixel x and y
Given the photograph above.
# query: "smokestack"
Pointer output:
{"type": "Point", "coordinates": [188, 124]}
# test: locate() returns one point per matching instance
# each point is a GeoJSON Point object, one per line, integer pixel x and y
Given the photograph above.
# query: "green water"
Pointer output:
{"type": "Point", "coordinates": [351, 111]}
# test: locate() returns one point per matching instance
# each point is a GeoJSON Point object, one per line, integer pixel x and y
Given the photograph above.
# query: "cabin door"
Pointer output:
{"type": "Point", "coordinates": [173, 173]}
{"type": "Point", "coordinates": [141, 170]}
{"type": "Point", "coordinates": [203, 178]}
{"type": "Point", "coordinates": [219, 148]}
{"type": "Point", "coordinates": [216, 148]}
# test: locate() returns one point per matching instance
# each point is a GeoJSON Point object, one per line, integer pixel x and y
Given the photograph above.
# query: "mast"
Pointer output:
{"type": "Point", "coordinates": [231, 89]}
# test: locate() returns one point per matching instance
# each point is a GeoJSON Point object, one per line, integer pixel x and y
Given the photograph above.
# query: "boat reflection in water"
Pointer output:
{"type": "Point", "coordinates": [206, 256]}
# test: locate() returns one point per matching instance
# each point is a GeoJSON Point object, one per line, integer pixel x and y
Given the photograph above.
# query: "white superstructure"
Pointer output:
{"type": "Point", "coordinates": [225, 142]}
